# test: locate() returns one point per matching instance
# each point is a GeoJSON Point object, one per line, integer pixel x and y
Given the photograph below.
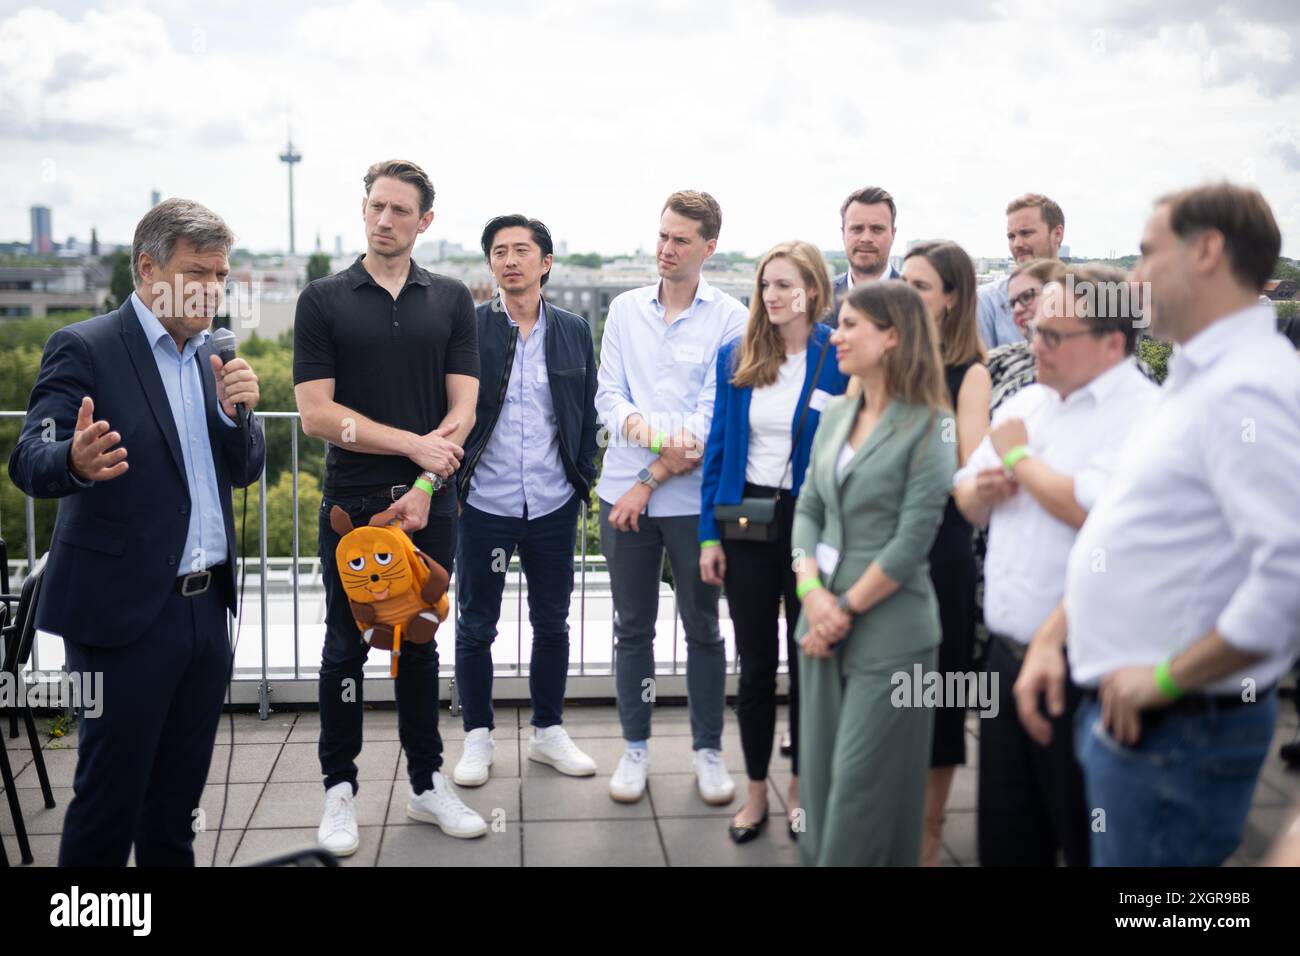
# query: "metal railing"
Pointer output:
{"type": "Point", "coordinates": [589, 677]}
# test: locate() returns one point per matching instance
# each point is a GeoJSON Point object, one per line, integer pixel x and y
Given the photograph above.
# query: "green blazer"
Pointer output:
{"type": "Point", "coordinates": [886, 509]}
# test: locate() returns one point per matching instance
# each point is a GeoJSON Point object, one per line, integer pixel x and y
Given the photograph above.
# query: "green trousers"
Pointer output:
{"type": "Point", "coordinates": [863, 762]}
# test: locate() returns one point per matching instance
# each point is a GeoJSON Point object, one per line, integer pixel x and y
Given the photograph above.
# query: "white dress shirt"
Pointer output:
{"type": "Point", "coordinates": [1200, 528]}
{"type": "Point", "coordinates": [1080, 436]}
{"type": "Point", "coordinates": [667, 373]}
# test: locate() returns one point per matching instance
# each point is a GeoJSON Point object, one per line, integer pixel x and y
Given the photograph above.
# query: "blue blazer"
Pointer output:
{"type": "Point", "coordinates": [727, 451]}
{"type": "Point", "coordinates": [117, 544]}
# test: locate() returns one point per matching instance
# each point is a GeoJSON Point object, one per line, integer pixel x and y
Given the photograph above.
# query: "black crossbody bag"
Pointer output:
{"type": "Point", "coordinates": [754, 519]}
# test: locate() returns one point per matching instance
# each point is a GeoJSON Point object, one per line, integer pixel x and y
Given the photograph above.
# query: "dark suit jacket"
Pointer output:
{"type": "Point", "coordinates": [839, 287]}
{"type": "Point", "coordinates": [117, 545]}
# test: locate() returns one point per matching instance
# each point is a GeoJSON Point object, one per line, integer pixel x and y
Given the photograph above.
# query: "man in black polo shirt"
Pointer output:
{"type": "Point", "coordinates": [385, 369]}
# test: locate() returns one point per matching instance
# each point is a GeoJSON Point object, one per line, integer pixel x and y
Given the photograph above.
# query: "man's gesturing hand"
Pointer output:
{"type": "Point", "coordinates": [437, 453]}
{"type": "Point", "coordinates": [92, 455]}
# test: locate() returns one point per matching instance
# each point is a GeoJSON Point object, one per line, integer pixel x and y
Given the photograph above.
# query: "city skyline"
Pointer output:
{"type": "Point", "coordinates": [550, 110]}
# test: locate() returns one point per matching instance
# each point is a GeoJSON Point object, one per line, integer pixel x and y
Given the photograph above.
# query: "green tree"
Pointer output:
{"type": "Point", "coordinates": [318, 266]}
{"type": "Point", "coordinates": [589, 260]}
{"type": "Point", "coordinates": [1156, 354]}
{"type": "Point", "coordinates": [279, 517]}
{"type": "Point", "coordinates": [121, 285]}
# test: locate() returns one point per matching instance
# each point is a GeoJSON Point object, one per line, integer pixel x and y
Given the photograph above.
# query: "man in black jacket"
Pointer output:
{"type": "Point", "coordinates": [529, 464]}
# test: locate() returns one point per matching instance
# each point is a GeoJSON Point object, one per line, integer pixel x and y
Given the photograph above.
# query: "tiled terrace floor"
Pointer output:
{"type": "Point", "coordinates": [539, 817]}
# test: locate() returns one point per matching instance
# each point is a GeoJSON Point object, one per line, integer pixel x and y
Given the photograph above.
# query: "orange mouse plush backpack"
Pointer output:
{"type": "Point", "coordinates": [396, 592]}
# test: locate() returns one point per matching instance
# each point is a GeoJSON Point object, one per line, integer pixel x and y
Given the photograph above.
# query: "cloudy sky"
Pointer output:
{"type": "Point", "coordinates": [588, 113]}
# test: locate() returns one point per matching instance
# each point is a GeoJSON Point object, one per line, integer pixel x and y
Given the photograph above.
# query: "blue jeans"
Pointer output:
{"type": "Point", "coordinates": [1180, 796]}
{"type": "Point", "coordinates": [483, 550]}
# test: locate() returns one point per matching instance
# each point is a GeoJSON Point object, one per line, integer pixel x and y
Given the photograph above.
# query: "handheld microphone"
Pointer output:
{"type": "Point", "coordinates": [223, 340]}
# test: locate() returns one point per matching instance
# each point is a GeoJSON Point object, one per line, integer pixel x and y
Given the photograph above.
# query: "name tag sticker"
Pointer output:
{"type": "Point", "coordinates": [688, 353]}
{"type": "Point", "coordinates": [818, 399]}
{"type": "Point", "coordinates": [827, 559]}
{"type": "Point", "coordinates": [541, 375]}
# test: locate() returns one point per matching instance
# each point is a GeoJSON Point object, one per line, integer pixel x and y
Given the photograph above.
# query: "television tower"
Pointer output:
{"type": "Point", "coordinates": [290, 157]}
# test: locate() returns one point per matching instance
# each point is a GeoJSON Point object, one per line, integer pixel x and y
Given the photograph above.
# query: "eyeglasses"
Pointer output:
{"type": "Point", "coordinates": [1025, 299]}
{"type": "Point", "coordinates": [1051, 338]}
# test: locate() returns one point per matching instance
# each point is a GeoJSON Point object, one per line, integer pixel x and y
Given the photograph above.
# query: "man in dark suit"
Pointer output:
{"type": "Point", "coordinates": [867, 224]}
{"type": "Point", "coordinates": [141, 567]}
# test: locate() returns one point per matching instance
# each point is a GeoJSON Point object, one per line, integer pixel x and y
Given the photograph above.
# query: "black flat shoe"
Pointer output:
{"type": "Point", "coordinates": [744, 832]}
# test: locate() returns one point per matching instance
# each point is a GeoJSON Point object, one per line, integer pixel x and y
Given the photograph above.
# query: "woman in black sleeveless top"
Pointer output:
{"type": "Point", "coordinates": [944, 275]}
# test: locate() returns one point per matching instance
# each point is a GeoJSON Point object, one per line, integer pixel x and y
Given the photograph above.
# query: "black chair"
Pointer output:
{"type": "Point", "coordinates": [18, 620]}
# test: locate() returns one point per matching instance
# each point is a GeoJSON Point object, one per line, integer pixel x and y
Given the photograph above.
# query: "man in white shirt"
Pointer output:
{"type": "Point", "coordinates": [654, 398]}
{"type": "Point", "coordinates": [1182, 597]}
{"type": "Point", "coordinates": [1051, 451]}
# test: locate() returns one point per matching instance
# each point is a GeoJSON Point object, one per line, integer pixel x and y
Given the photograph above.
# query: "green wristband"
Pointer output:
{"type": "Point", "coordinates": [1015, 456]}
{"type": "Point", "coordinates": [657, 442]}
{"type": "Point", "coordinates": [425, 485]}
{"type": "Point", "coordinates": [807, 587]}
{"type": "Point", "coordinates": [711, 543]}
{"type": "Point", "coordinates": [1165, 681]}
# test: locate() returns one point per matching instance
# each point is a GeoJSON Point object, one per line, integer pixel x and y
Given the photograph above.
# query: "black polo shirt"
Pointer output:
{"type": "Point", "coordinates": [389, 361]}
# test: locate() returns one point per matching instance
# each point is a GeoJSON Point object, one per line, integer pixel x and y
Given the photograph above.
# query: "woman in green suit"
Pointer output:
{"type": "Point", "coordinates": [880, 472]}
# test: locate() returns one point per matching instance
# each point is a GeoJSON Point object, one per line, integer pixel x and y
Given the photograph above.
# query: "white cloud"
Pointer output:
{"type": "Point", "coordinates": [587, 114]}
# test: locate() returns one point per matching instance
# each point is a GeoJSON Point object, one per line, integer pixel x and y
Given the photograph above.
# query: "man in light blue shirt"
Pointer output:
{"type": "Point", "coordinates": [1035, 228]}
{"type": "Point", "coordinates": [205, 542]}
{"type": "Point", "coordinates": [529, 464]}
{"type": "Point", "coordinates": [655, 400]}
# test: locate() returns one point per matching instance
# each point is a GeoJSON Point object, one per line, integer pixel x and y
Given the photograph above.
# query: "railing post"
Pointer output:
{"type": "Point", "coordinates": [264, 687]}
{"type": "Point", "coordinates": [293, 467]}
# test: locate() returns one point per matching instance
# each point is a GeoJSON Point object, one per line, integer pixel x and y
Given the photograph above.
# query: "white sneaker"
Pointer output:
{"type": "Point", "coordinates": [628, 783]}
{"type": "Point", "coordinates": [443, 808]}
{"type": "Point", "coordinates": [472, 768]}
{"type": "Point", "coordinates": [715, 784]}
{"type": "Point", "coordinates": [338, 826]}
{"type": "Point", "coordinates": [551, 745]}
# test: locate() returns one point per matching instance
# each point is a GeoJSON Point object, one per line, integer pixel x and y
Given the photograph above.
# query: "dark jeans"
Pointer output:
{"type": "Point", "coordinates": [483, 550]}
{"type": "Point", "coordinates": [344, 656]}
{"type": "Point", "coordinates": [143, 761]}
{"type": "Point", "coordinates": [1031, 798]}
{"type": "Point", "coordinates": [759, 579]}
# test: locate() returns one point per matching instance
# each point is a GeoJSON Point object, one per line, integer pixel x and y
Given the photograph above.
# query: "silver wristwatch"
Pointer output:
{"type": "Point", "coordinates": [647, 478]}
{"type": "Point", "coordinates": [842, 602]}
{"type": "Point", "coordinates": [436, 480]}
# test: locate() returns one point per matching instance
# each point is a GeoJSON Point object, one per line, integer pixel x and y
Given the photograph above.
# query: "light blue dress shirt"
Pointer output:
{"type": "Point", "coordinates": [205, 541]}
{"type": "Point", "coordinates": [668, 375]}
{"type": "Point", "coordinates": [520, 464]}
{"type": "Point", "coordinates": [993, 315]}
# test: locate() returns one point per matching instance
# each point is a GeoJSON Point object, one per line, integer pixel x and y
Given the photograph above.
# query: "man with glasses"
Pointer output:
{"type": "Point", "coordinates": [1050, 452]}
{"type": "Point", "coordinates": [1035, 229]}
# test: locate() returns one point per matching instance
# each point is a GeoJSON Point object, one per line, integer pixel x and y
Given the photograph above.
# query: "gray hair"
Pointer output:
{"type": "Point", "coordinates": [172, 220]}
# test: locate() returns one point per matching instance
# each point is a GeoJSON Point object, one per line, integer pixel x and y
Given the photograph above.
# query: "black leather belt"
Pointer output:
{"type": "Point", "coordinates": [192, 585]}
{"type": "Point", "coordinates": [1195, 703]}
{"type": "Point", "coordinates": [1011, 645]}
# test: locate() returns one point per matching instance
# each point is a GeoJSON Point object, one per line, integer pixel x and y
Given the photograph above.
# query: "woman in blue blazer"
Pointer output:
{"type": "Point", "coordinates": [758, 448]}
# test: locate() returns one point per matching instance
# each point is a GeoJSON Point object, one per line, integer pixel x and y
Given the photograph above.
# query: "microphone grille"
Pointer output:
{"type": "Point", "coordinates": [224, 341]}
